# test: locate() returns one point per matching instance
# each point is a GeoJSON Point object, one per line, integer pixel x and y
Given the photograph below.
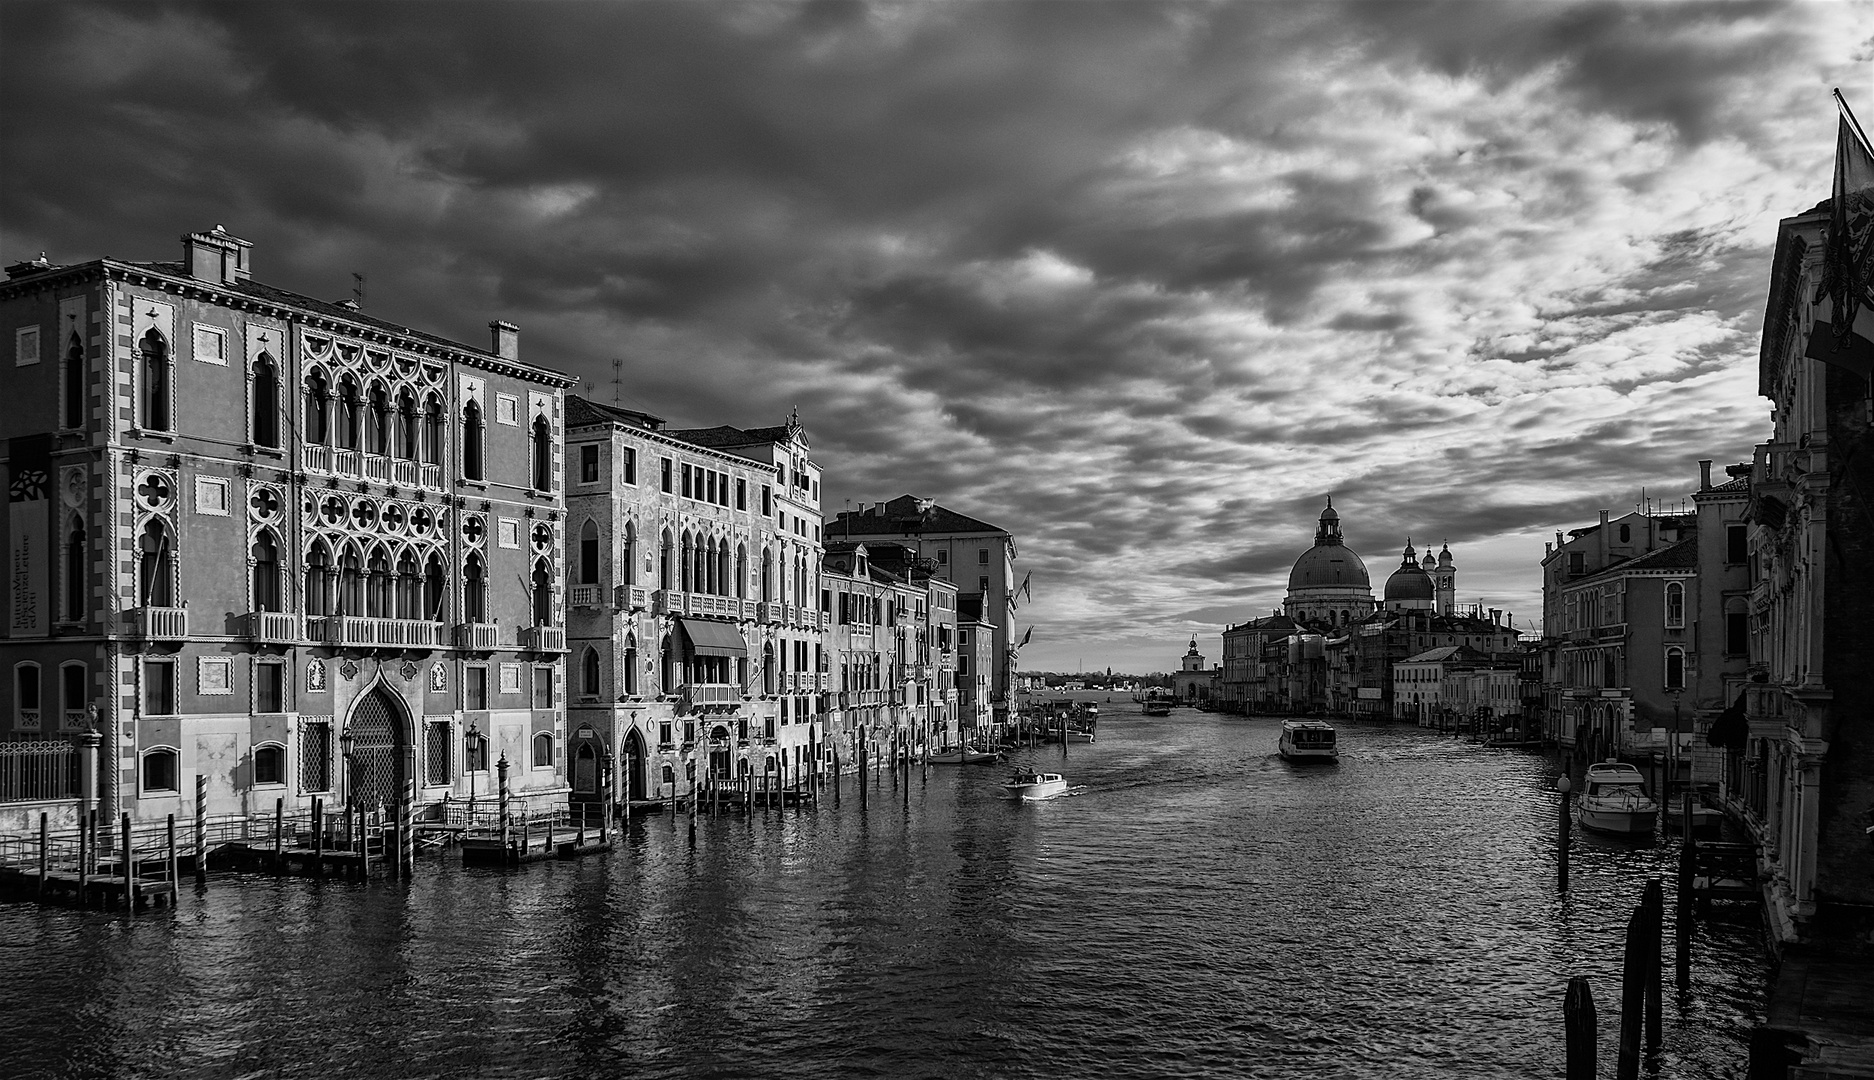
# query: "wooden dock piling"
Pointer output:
{"type": "Point", "coordinates": [43, 866]}
{"type": "Point", "coordinates": [1566, 787]}
{"type": "Point", "coordinates": [201, 829]}
{"type": "Point", "coordinates": [175, 866]}
{"type": "Point", "coordinates": [318, 835]}
{"type": "Point", "coordinates": [1580, 1030]}
{"type": "Point", "coordinates": [1653, 903]}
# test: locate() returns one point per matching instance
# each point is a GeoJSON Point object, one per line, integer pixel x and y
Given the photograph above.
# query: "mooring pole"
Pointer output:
{"type": "Point", "coordinates": [175, 880]}
{"type": "Point", "coordinates": [130, 869]}
{"type": "Point", "coordinates": [1578, 1028]}
{"type": "Point", "coordinates": [201, 829]}
{"type": "Point", "coordinates": [1682, 923]}
{"type": "Point", "coordinates": [859, 752]}
{"type": "Point", "coordinates": [318, 837]}
{"type": "Point", "coordinates": [1632, 997]}
{"type": "Point", "coordinates": [1565, 786]}
{"type": "Point", "coordinates": [1653, 903]}
{"type": "Point", "coordinates": [279, 832]}
{"type": "Point", "coordinates": [44, 839]}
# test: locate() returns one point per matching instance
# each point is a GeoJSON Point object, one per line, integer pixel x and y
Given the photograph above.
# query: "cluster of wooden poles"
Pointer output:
{"type": "Point", "coordinates": [805, 786]}
{"type": "Point", "coordinates": [1641, 975]}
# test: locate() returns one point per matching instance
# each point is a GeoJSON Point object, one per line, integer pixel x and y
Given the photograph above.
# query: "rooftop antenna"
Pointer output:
{"type": "Point", "coordinates": [617, 379]}
{"type": "Point", "coordinates": [357, 289]}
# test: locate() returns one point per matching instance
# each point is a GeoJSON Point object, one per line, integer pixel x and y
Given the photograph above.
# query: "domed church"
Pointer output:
{"type": "Point", "coordinates": [1329, 583]}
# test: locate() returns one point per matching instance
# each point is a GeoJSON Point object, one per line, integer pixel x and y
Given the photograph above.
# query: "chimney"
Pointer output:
{"type": "Point", "coordinates": [215, 256]}
{"type": "Point", "coordinates": [1704, 474]}
{"type": "Point", "coordinates": [507, 340]}
{"type": "Point", "coordinates": [1602, 547]}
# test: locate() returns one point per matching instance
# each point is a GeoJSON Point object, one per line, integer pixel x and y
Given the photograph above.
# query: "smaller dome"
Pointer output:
{"type": "Point", "coordinates": [1444, 556]}
{"type": "Point", "coordinates": [1427, 562]}
{"type": "Point", "coordinates": [1410, 583]}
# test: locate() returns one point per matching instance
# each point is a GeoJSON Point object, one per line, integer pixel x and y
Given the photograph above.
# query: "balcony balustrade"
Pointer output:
{"type": "Point", "coordinates": [275, 626]}
{"type": "Point", "coordinates": [405, 473]}
{"type": "Point", "coordinates": [479, 636]}
{"type": "Point", "coordinates": [584, 595]}
{"type": "Point", "coordinates": [316, 458]}
{"type": "Point", "coordinates": [543, 638]}
{"type": "Point", "coordinates": [383, 633]}
{"type": "Point", "coordinates": [667, 602]}
{"type": "Point", "coordinates": [348, 462]}
{"type": "Point", "coordinates": [770, 612]}
{"type": "Point", "coordinates": [160, 623]}
{"type": "Point", "coordinates": [712, 693]}
{"type": "Point", "coordinates": [377, 467]}
{"type": "Point", "coordinates": [632, 597]}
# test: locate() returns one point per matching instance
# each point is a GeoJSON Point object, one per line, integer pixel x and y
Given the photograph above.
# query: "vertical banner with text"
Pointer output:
{"type": "Point", "coordinates": [29, 541]}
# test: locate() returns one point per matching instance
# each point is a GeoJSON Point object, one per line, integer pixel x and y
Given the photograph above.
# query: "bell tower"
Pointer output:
{"type": "Point", "coordinates": [1446, 577]}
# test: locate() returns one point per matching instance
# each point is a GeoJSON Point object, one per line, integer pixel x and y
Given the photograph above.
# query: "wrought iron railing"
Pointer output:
{"type": "Point", "coordinates": [38, 771]}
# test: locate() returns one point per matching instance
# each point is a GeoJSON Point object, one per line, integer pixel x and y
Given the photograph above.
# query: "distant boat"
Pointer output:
{"type": "Point", "coordinates": [1614, 800]}
{"type": "Point", "coordinates": [962, 756]}
{"type": "Point", "coordinates": [1158, 703]}
{"type": "Point", "coordinates": [1308, 740]}
{"type": "Point", "coordinates": [1031, 786]}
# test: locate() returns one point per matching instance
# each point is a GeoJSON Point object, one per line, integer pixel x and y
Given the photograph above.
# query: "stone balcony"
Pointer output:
{"type": "Point", "coordinates": [160, 623]}
{"type": "Point", "coordinates": [477, 636]}
{"type": "Point", "coordinates": [376, 632]}
{"type": "Point", "coordinates": [543, 638]}
{"type": "Point", "coordinates": [280, 627]}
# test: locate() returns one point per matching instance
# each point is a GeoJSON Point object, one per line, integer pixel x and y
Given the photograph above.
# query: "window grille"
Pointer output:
{"type": "Point", "coordinates": [315, 756]}
{"type": "Point", "coordinates": [438, 763]}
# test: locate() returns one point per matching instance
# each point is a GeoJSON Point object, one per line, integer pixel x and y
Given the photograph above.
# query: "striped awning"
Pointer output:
{"type": "Point", "coordinates": [713, 638]}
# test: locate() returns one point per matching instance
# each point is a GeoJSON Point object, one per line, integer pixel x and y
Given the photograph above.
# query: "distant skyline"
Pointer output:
{"type": "Point", "coordinates": [1141, 282]}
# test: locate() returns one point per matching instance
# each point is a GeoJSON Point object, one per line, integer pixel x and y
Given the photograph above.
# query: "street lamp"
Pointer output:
{"type": "Point", "coordinates": [346, 743]}
{"type": "Point", "coordinates": [474, 746]}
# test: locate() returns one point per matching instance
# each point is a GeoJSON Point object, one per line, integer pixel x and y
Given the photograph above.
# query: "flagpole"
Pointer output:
{"type": "Point", "coordinates": [1853, 123]}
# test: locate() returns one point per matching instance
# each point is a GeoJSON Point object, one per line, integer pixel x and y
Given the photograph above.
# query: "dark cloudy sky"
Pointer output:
{"type": "Point", "coordinates": [1139, 281]}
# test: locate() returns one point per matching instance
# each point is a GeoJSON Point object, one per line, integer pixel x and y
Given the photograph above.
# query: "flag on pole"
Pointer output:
{"type": "Point", "coordinates": [1026, 636]}
{"type": "Point", "coordinates": [1844, 334]}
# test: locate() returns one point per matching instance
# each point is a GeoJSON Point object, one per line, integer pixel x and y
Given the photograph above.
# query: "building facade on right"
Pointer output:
{"type": "Point", "coordinates": [1802, 774]}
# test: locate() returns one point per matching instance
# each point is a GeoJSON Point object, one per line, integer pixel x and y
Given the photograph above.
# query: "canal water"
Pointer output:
{"type": "Point", "coordinates": [1203, 909]}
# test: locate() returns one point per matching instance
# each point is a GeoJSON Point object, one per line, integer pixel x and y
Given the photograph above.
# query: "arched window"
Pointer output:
{"type": "Point", "coordinates": [767, 669]}
{"type": "Point", "coordinates": [159, 769]}
{"type": "Point", "coordinates": [409, 425]}
{"type": "Point", "coordinates": [155, 372]}
{"type": "Point", "coordinates": [1675, 669]}
{"type": "Point", "coordinates": [1675, 604]}
{"type": "Point", "coordinates": [543, 454]}
{"type": "Point", "coordinates": [266, 552]}
{"type": "Point", "coordinates": [543, 750]}
{"type": "Point", "coordinates": [74, 689]}
{"type": "Point", "coordinates": [683, 561]}
{"type": "Point", "coordinates": [472, 441]}
{"type": "Point", "coordinates": [722, 570]}
{"type": "Point", "coordinates": [350, 584]}
{"type": "Point", "coordinates": [156, 572]}
{"type": "Point", "coordinates": [377, 594]}
{"type": "Point", "coordinates": [630, 681]}
{"type": "Point", "coordinates": [741, 571]}
{"type": "Point", "coordinates": [767, 575]}
{"type": "Point", "coordinates": [318, 580]}
{"type": "Point", "coordinates": [409, 588]}
{"type": "Point", "coordinates": [318, 409]}
{"type": "Point", "coordinates": [706, 573]}
{"type": "Point", "coordinates": [26, 703]}
{"type": "Point", "coordinates": [589, 672]}
{"type": "Point", "coordinates": [350, 413]}
{"type": "Point", "coordinates": [1626, 534]}
{"type": "Point", "coordinates": [75, 388]}
{"type": "Point", "coordinates": [474, 590]}
{"type": "Point", "coordinates": [589, 553]}
{"type": "Point", "coordinates": [77, 578]}
{"type": "Point", "coordinates": [630, 575]}
{"type": "Point", "coordinates": [433, 586]}
{"type": "Point", "coordinates": [266, 403]}
{"type": "Point", "coordinates": [543, 593]}
{"type": "Point", "coordinates": [432, 431]}
{"type": "Point", "coordinates": [380, 421]}
{"type": "Point", "coordinates": [663, 561]}
{"type": "Point", "coordinates": [666, 668]}
{"type": "Point", "coordinates": [269, 764]}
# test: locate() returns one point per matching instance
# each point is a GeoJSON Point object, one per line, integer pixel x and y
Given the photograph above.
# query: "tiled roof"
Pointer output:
{"type": "Point", "coordinates": [1680, 556]}
{"type": "Point", "coordinates": [1445, 653]}
{"type": "Point", "coordinates": [725, 435]}
{"type": "Point", "coordinates": [903, 516]}
{"type": "Point", "coordinates": [580, 411]}
{"type": "Point", "coordinates": [1267, 622]}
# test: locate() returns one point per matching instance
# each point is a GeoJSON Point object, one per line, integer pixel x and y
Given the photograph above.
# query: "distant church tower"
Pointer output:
{"type": "Point", "coordinates": [1193, 660]}
{"type": "Point", "coordinates": [1446, 577]}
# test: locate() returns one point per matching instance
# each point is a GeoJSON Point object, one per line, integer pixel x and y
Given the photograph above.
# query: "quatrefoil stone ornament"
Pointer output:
{"type": "Point", "coordinates": [154, 490]}
{"type": "Point", "coordinates": [264, 503]}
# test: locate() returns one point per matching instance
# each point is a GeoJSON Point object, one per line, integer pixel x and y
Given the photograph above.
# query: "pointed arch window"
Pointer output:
{"type": "Point", "coordinates": [666, 667]}
{"type": "Point", "coordinates": [350, 584]}
{"type": "Point", "coordinates": [472, 441]}
{"type": "Point", "coordinates": [474, 590]}
{"type": "Point", "coordinates": [741, 572]}
{"type": "Point", "coordinates": [663, 561]}
{"type": "Point", "coordinates": [75, 388]}
{"type": "Point", "coordinates": [433, 586]}
{"type": "Point", "coordinates": [156, 571]}
{"type": "Point", "coordinates": [630, 681]}
{"type": "Point", "coordinates": [380, 422]}
{"type": "Point", "coordinates": [378, 603]}
{"type": "Point", "coordinates": [631, 554]}
{"type": "Point", "coordinates": [409, 588]}
{"type": "Point", "coordinates": [767, 576]}
{"type": "Point", "coordinates": [432, 431]}
{"type": "Point", "coordinates": [318, 579]}
{"type": "Point", "coordinates": [76, 579]}
{"type": "Point", "coordinates": [318, 409]}
{"type": "Point", "coordinates": [155, 368]}
{"type": "Point", "coordinates": [722, 570]}
{"type": "Point", "coordinates": [683, 561]}
{"type": "Point", "coordinates": [543, 593]}
{"type": "Point", "coordinates": [266, 553]}
{"type": "Point", "coordinates": [543, 454]}
{"type": "Point", "coordinates": [589, 672]}
{"type": "Point", "coordinates": [589, 554]}
{"type": "Point", "coordinates": [266, 402]}
{"type": "Point", "coordinates": [350, 413]}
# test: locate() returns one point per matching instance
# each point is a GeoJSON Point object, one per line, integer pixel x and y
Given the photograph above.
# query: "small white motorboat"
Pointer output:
{"type": "Point", "coordinates": [1308, 740]}
{"type": "Point", "coordinates": [1031, 786]}
{"type": "Point", "coordinates": [1614, 800]}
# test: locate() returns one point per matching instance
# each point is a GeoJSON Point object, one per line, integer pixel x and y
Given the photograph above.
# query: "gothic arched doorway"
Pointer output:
{"type": "Point", "coordinates": [378, 737]}
{"type": "Point", "coordinates": [634, 766]}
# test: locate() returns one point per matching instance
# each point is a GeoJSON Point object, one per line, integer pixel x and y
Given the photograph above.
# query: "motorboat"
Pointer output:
{"type": "Point", "coordinates": [1308, 740]}
{"type": "Point", "coordinates": [964, 756]}
{"type": "Point", "coordinates": [1158, 703]}
{"type": "Point", "coordinates": [1031, 786]}
{"type": "Point", "coordinates": [1614, 800]}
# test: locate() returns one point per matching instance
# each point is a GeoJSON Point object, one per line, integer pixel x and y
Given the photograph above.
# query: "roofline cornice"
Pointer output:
{"type": "Point", "coordinates": [662, 439]}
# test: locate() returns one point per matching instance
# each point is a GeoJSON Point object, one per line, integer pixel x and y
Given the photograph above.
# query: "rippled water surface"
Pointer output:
{"type": "Point", "coordinates": [1204, 909]}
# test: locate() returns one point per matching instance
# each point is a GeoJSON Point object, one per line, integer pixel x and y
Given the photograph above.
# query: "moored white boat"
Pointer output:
{"type": "Point", "coordinates": [1614, 800]}
{"type": "Point", "coordinates": [1308, 740]}
{"type": "Point", "coordinates": [962, 756]}
{"type": "Point", "coordinates": [1031, 786]}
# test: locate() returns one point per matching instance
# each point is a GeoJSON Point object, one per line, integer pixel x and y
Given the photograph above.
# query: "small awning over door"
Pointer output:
{"type": "Point", "coordinates": [713, 638]}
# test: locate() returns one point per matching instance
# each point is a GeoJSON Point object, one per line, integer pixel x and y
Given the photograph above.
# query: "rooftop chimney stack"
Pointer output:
{"type": "Point", "coordinates": [1704, 474]}
{"type": "Point", "coordinates": [1602, 534]}
{"type": "Point", "coordinates": [215, 256]}
{"type": "Point", "coordinates": [507, 340]}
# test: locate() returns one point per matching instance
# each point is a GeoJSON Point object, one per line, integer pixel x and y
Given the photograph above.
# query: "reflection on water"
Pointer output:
{"type": "Point", "coordinates": [1204, 909]}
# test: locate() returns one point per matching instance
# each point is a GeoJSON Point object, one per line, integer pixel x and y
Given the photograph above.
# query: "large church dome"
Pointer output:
{"type": "Point", "coordinates": [1410, 585]}
{"type": "Point", "coordinates": [1330, 565]}
{"type": "Point", "coordinates": [1329, 582]}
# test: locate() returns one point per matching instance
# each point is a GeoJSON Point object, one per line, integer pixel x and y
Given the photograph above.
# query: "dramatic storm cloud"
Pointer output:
{"type": "Point", "coordinates": [1142, 282]}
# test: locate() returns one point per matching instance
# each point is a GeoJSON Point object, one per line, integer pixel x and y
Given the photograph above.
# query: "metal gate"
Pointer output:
{"type": "Point", "coordinates": [376, 771]}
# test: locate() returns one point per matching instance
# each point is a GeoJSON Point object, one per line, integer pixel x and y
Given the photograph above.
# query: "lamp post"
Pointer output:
{"type": "Point", "coordinates": [346, 744]}
{"type": "Point", "coordinates": [474, 744]}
